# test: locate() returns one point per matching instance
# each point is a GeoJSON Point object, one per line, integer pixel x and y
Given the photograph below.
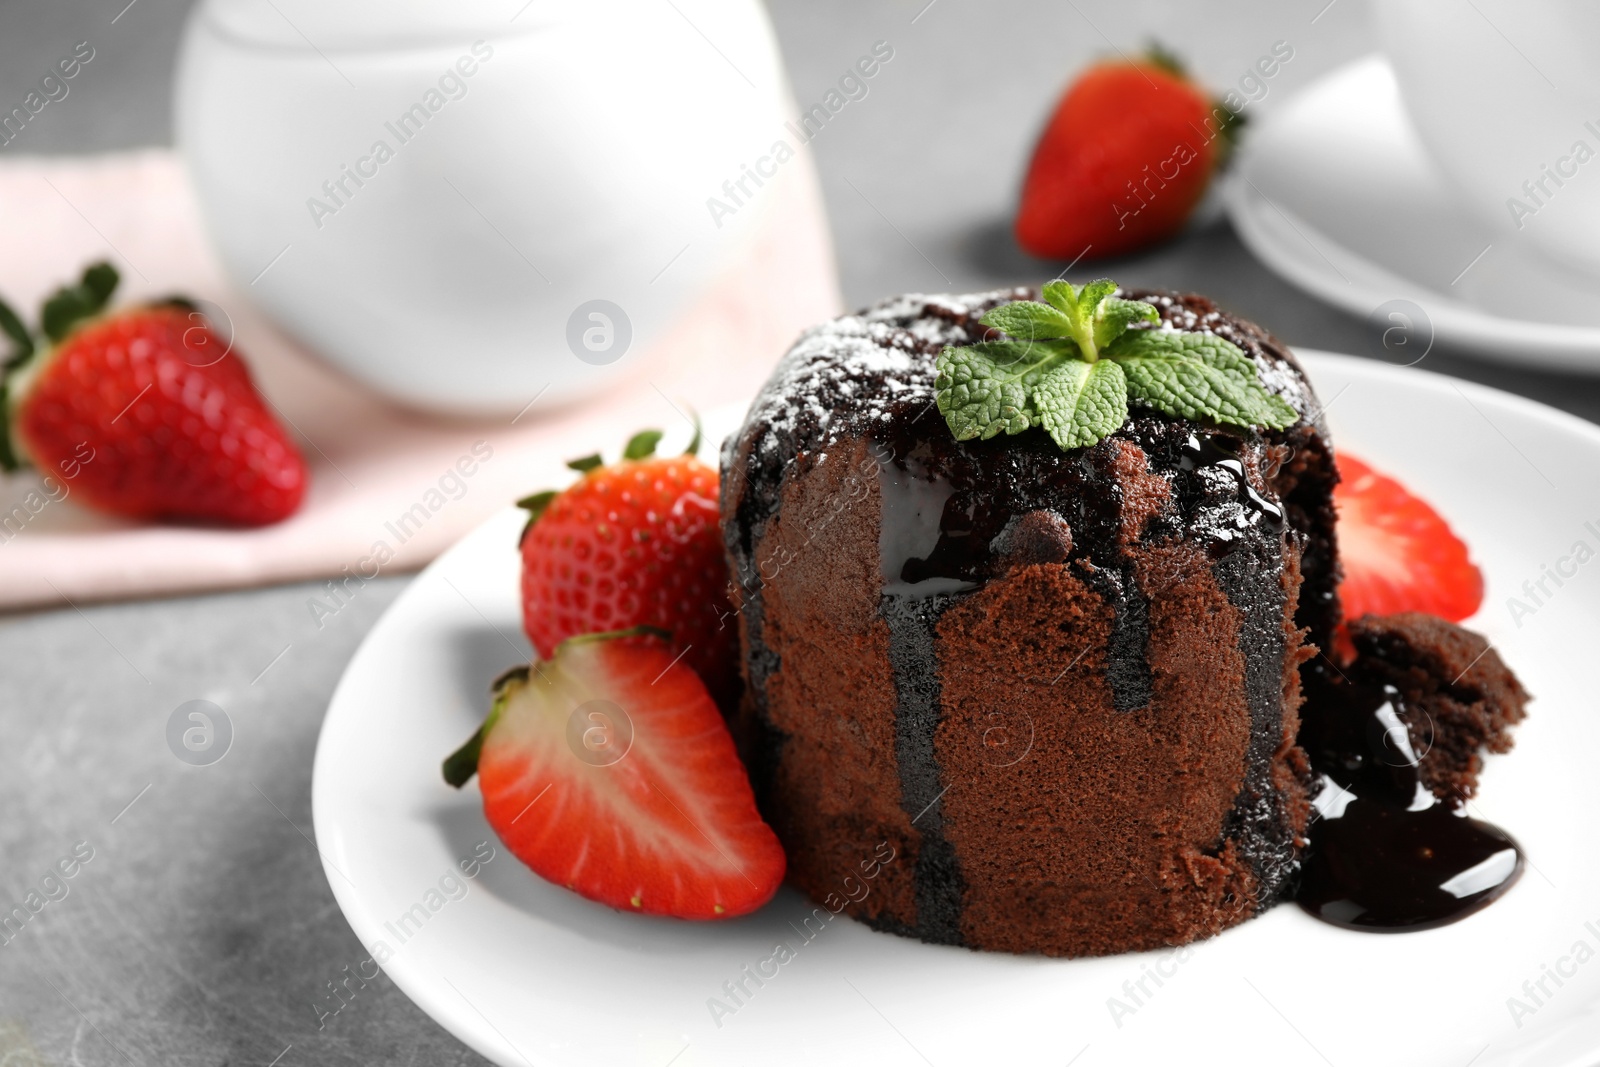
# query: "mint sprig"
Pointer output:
{"type": "Point", "coordinates": [1073, 363]}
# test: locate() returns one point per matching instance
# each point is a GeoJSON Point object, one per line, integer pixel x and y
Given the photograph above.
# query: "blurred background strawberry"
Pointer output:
{"type": "Point", "coordinates": [1129, 151]}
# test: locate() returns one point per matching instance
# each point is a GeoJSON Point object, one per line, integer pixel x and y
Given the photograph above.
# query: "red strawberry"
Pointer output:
{"type": "Point", "coordinates": [142, 416]}
{"type": "Point", "coordinates": [1398, 554]}
{"type": "Point", "coordinates": [1125, 158]}
{"type": "Point", "coordinates": [607, 769]}
{"type": "Point", "coordinates": [635, 543]}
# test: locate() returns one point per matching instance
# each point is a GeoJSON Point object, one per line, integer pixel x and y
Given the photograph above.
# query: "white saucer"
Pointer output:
{"type": "Point", "coordinates": [528, 973]}
{"type": "Point", "coordinates": [1334, 191]}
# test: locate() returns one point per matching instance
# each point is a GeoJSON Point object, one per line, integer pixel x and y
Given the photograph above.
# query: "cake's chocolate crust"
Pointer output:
{"type": "Point", "coordinates": [1062, 684]}
{"type": "Point", "coordinates": [1460, 697]}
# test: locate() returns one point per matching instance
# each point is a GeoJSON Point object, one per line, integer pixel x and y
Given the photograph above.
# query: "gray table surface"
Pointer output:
{"type": "Point", "coordinates": [202, 930]}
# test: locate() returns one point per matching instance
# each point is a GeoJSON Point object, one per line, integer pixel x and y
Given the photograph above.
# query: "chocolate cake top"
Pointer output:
{"type": "Point", "coordinates": [863, 372]}
{"type": "Point", "coordinates": [871, 376]}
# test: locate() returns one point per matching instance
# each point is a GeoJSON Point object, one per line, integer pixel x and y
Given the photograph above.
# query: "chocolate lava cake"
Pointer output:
{"type": "Point", "coordinates": [1062, 685]}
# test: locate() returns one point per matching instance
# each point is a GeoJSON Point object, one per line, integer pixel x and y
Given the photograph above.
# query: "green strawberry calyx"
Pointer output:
{"type": "Point", "coordinates": [640, 446]}
{"type": "Point", "coordinates": [63, 311]}
{"type": "Point", "coordinates": [72, 304]}
{"type": "Point", "coordinates": [1073, 363]}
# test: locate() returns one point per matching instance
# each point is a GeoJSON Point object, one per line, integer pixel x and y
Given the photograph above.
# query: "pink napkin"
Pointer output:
{"type": "Point", "coordinates": [390, 488]}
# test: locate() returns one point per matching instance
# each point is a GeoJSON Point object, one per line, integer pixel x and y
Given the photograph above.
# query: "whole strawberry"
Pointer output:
{"type": "Point", "coordinates": [633, 543]}
{"type": "Point", "coordinates": [1126, 156]}
{"type": "Point", "coordinates": [146, 411]}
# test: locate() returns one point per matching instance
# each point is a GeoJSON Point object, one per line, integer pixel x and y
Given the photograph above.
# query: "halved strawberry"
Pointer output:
{"type": "Point", "coordinates": [608, 770]}
{"type": "Point", "coordinates": [1398, 553]}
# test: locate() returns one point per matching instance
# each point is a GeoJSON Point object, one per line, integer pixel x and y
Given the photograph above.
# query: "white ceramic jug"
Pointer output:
{"type": "Point", "coordinates": [463, 205]}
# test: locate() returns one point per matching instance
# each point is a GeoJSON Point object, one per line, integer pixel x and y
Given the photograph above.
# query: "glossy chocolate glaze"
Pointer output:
{"type": "Point", "coordinates": [1385, 854]}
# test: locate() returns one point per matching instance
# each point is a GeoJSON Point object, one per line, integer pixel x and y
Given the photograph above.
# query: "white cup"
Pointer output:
{"type": "Point", "coordinates": [1505, 96]}
{"type": "Point", "coordinates": [537, 213]}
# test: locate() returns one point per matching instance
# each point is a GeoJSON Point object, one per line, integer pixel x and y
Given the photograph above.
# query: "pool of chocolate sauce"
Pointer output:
{"type": "Point", "coordinates": [1386, 855]}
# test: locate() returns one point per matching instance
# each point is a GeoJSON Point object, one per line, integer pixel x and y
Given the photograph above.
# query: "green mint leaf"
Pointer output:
{"type": "Point", "coordinates": [1279, 413]}
{"type": "Point", "coordinates": [1096, 318]}
{"type": "Point", "coordinates": [1079, 402]}
{"type": "Point", "coordinates": [1061, 296]}
{"type": "Point", "coordinates": [1065, 299]}
{"type": "Point", "coordinates": [1198, 376]}
{"type": "Point", "coordinates": [984, 389]}
{"type": "Point", "coordinates": [1074, 361]}
{"type": "Point", "coordinates": [1091, 296]}
{"type": "Point", "coordinates": [1029, 320]}
{"type": "Point", "coordinates": [977, 394]}
{"type": "Point", "coordinates": [1208, 348]}
{"type": "Point", "coordinates": [1114, 316]}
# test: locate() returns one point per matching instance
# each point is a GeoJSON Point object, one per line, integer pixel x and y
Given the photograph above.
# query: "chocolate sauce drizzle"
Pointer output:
{"type": "Point", "coordinates": [937, 877]}
{"type": "Point", "coordinates": [1386, 855]}
{"type": "Point", "coordinates": [1247, 569]}
{"type": "Point", "coordinates": [1201, 451]}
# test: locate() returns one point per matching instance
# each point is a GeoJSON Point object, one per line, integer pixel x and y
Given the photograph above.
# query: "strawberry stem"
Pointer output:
{"type": "Point", "coordinates": [462, 764]}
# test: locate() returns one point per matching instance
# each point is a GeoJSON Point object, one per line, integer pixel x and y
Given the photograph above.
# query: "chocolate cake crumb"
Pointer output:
{"type": "Point", "coordinates": [1461, 698]}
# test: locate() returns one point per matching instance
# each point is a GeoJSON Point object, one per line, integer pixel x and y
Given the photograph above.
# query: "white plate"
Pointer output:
{"type": "Point", "coordinates": [528, 973]}
{"type": "Point", "coordinates": [1334, 191]}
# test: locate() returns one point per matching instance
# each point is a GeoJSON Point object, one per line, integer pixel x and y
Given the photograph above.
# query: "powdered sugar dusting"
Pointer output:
{"type": "Point", "coordinates": [845, 376]}
{"type": "Point", "coordinates": [861, 371]}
